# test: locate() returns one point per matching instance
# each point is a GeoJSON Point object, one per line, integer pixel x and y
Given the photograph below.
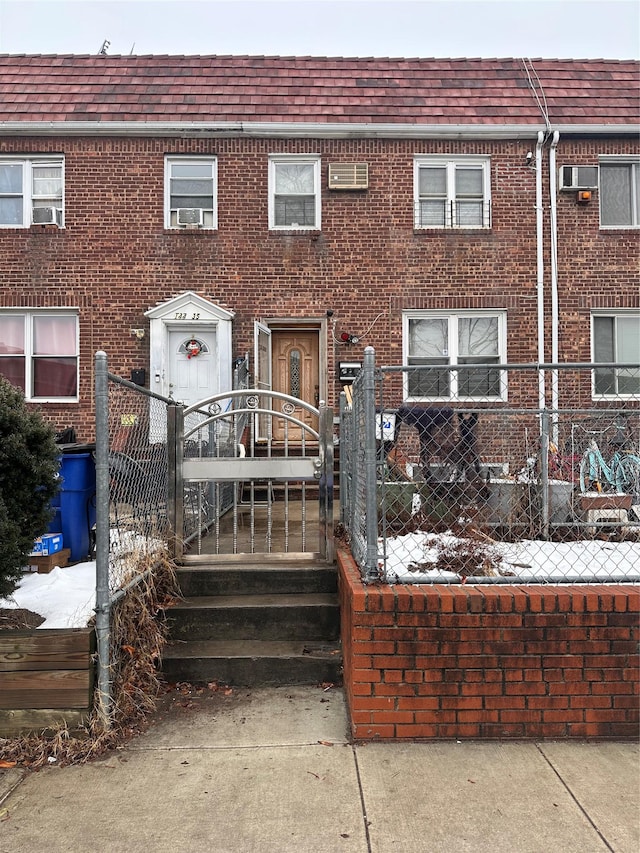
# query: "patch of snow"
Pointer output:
{"type": "Point", "coordinates": [66, 597]}
{"type": "Point", "coordinates": [572, 561]}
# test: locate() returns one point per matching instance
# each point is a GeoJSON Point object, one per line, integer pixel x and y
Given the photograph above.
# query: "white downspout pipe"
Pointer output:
{"type": "Point", "coordinates": [555, 314]}
{"type": "Point", "coordinates": [540, 267]}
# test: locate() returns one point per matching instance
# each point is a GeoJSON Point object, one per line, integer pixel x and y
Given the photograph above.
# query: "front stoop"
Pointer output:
{"type": "Point", "coordinates": [255, 625]}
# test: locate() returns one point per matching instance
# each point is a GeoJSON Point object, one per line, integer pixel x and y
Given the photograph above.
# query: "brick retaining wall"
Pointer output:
{"type": "Point", "coordinates": [502, 661]}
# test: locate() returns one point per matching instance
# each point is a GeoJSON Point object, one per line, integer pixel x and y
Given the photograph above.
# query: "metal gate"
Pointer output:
{"type": "Point", "coordinates": [239, 495]}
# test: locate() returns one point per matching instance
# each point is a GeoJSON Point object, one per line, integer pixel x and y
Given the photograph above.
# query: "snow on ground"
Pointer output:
{"type": "Point", "coordinates": [65, 597]}
{"type": "Point", "coordinates": [572, 561]}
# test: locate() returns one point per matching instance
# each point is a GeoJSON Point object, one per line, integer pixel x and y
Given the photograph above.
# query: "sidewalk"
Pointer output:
{"type": "Point", "coordinates": [273, 770]}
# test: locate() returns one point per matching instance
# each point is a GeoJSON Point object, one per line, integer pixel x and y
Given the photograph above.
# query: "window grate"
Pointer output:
{"type": "Point", "coordinates": [440, 213]}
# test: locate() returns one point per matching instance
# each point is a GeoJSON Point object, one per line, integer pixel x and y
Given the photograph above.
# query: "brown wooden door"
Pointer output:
{"type": "Point", "coordinates": [295, 371]}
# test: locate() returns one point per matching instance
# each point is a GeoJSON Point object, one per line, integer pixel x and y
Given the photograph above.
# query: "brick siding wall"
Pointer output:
{"type": "Point", "coordinates": [489, 661]}
{"type": "Point", "coordinates": [114, 259]}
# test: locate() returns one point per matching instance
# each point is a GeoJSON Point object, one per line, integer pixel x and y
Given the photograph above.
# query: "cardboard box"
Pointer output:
{"type": "Point", "coordinates": [43, 565]}
{"type": "Point", "coordinates": [48, 544]}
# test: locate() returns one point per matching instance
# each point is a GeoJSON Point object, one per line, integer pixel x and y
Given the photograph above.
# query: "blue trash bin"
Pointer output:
{"type": "Point", "coordinates": [75, 506]}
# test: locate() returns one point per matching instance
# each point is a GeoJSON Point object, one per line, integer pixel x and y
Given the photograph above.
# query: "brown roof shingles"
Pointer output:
{"type": "Point", "coordinates": [319, 89]}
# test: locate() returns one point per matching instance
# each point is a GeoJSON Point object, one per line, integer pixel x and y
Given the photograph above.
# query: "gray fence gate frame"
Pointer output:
{"type": "Point", "coordinates": [250, 403]}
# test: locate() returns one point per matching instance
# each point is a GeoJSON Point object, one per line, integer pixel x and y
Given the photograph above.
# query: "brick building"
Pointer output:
{"type": "Point", "coordinates": [300, 209]}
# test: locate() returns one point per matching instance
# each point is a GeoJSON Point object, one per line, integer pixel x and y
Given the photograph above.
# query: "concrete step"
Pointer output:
{"type": "Point", "coordinates": [256, 579]}
{"type": "Point", "coordinates": [255, 624]}
{"type": "Point", "coordinates": [306, 616]}
{"type": "Point", "coordinates": [253, 663]}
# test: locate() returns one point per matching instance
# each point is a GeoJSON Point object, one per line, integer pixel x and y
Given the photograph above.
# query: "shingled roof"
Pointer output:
{"type": "Point", "coordinates": [318, 90]}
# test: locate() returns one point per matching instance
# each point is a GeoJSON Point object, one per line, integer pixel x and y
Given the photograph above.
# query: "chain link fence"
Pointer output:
{"type": "Point", "coordinates": [134, 524]}
{"type": "Point", "coordinates": [138, 478]}
{"type": "Point", "coordinates": [141, 495]}
{"type": "Point", "coordinates": [137, 521]}
{"type": "Point", "coordinates": [523, 473]}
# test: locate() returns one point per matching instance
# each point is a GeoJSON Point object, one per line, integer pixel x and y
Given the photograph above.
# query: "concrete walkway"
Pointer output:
{"type": "Point", "coordinates": [274, 770]}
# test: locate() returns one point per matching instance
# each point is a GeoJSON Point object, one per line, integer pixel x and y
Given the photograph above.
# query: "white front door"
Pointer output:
{"type": "Point", "coordinates": [192, 363]}
{"type": "Point", "coordinates": [189, 355]}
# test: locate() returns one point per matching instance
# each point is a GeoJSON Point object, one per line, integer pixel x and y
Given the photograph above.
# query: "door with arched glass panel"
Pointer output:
{"type": "Point", "coordinates": [295, 371]}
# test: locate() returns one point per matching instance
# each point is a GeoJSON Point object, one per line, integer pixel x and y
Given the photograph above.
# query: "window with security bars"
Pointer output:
{"type": "Point", "coordinates": [31, 192]}
{"type": "Point", "coordinates": [452, 193]}
{"type": "Point", "coordinates": [191, 192]}
{"type": "Point", "coordinates": [39, 354]}
{"type": "Point", "coordinates": [620, 194]}
{"type": "Point", "coordinates": [468, 343]}
{"type": "Point", "coordinates": [294, 192]}
{"type": "Point", "coordinates": [616, 338]}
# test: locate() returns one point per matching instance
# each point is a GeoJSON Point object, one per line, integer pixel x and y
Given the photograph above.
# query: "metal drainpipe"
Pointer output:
{"type": "Point", "coordinates": [555, 314]}
{"type": "Point", "coordinates": [540, 267]}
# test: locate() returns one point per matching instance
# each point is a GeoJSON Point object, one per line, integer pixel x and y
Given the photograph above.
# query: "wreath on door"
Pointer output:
{"type": "Point", "coordinates": [193, 348]}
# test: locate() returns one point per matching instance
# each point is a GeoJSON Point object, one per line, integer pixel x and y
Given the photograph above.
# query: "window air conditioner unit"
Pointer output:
{"type": "Point", "coordinates": [578, 177]}
{"type": "Point", "coordinates": [46, 216]}
{"type": "Point", "coordinates": [348, 176]}
{"type": "Point", "coordinates": [189, 215]}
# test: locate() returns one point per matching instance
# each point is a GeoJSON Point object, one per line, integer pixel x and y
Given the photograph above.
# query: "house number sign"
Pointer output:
{"type": "Point", "coordinates": [182, 315]}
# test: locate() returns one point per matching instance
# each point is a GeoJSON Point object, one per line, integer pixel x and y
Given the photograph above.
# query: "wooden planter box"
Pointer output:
{"type": "Point", "coordinates": [46, 678]}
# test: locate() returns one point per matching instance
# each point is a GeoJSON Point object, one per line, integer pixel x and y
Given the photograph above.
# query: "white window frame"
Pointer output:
{"type": "Point", "coordinates": [302, 159]}
{"type": "Point", "coordinates": [614, 314]}
{"type": "Point", "coordinates": [633, 162]}
{"type": "Point", "coordinates": [29, 167]}
{"type": "Point", "coordinates": [28, 316]}
{"type": "Point", "coordinates": [210, 222]}
{"type": "Point", "coordinates": [451, 163]}
{"type": "Point", "coordinates": [453, 317]}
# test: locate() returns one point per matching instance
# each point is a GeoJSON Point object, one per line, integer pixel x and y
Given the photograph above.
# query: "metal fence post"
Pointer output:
{"type": "Point", "coordinates": [370, 465]}
{"type": "Point", "coordinates": [342, 459]}
{"type": "Point", "coordinates": [175, 437]}
{"type": "Point", "coordinates": [326, 483]}
{"type": "Point", "coordinates": [103, 605]}
{"type": "Point", "coordinates": [544, 472]}
{"type": "Point", "coordinates": [354, 473]}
